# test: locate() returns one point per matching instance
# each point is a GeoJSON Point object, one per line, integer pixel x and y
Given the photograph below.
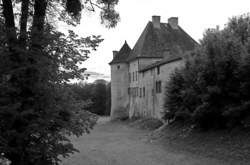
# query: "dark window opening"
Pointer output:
{"type": "Point", "coordinates": [158, 86]}
{"type": "Point", "coordinates": [118, 67]}
{"type": "Point", "coordinates": [158, 70]}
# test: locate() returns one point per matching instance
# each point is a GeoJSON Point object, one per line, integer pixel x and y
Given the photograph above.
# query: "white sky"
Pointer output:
{"type": "Point", "coordinates": [194, 17]}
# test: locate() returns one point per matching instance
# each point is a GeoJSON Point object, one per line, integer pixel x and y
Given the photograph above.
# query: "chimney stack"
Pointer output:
{"type": "Point", "coordinates": [173, 22]}
{"type": "Point", "coordinates": [115, 52]}
{"type": "Point", "coordinates": [156, 20]}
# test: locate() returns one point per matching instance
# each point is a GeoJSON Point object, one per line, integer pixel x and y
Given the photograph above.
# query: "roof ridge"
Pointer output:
{"type": "Point", "coordinates": [153, 41]}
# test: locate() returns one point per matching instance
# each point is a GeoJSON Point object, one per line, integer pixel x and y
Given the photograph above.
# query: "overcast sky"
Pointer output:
{"type": "Point", "coordinates": [194, 17]}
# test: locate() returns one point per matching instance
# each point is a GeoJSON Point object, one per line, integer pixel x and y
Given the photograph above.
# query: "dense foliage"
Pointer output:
{"type": "Point", "coordinates": [38, 110]}
{"type": "Point", "coordinates": [97, 94]}
{"type": "Point", "coordinates": [212, 90]}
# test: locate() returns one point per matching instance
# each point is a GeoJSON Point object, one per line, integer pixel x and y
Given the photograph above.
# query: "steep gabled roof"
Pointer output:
{"type": "Point", "coordinates": [122, 55]}
{"type": "Point", "coordinates": [153, 42]}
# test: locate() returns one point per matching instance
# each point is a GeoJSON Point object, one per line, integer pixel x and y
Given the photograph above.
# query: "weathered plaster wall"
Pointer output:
{"type": "Point", "coordinates": [135, 107]}
{"type": "Point", "coordinates": [133, 85]}
{"type": "Point", "coordinates": [128, 86]}
{"type": "Point", "coordinates": [119, 90]}
{"type": "Point", "coordinates": [165, 72]}
{"type": "Point", "coordinates": [151, 104]}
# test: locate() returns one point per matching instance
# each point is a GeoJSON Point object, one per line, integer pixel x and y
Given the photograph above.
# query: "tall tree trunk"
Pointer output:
{"type": "Point", "coordinates": [23, 22]}
{"type": "Point", "coordinates": [38, 23]}
{"type": "Point", "coordinates": [9, 22]}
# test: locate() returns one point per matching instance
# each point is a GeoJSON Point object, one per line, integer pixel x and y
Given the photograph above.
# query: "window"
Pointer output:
{"type": "Point", "coordinates": [143, 91]}
{"type": "Point", "coordinates": [133, 92]}
{"type": "Point", "coordinates": [136, 75]}
{"type": "Point", "coordinates": [128, 91]}
{"type": "Point", "coordinates": [158, 69]}
{"type": "Point", "coordinates": [129, 77]}
{"type": "Point", "coordinates": [140, 92]}
{"type": "Point", "coordinates": [158, 86]}
{"type": "Point", "coordinates": [118, 66]}
{"type": "Point", "coordinates": [133, 76]}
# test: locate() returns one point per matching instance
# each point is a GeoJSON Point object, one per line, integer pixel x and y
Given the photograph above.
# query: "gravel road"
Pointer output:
{"type": "Point", "coordinates": [115, 143]}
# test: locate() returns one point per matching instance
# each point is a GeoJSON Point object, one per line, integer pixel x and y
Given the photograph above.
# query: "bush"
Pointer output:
{"type": "Point", "coordinates": [212, 90]}
{"type": "Point", "coordinates": [97, 95]}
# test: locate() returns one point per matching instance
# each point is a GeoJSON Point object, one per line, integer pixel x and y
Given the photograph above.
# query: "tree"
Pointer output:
{"type": "Point", "coordinates": [212, 89]}
{"type": "Point", "coordinates": [37, 109]}
{"type": "Point", "coordinates": [97, 94]}
{"type": "Point", "coordinates": [99, 97]}
{"type": "Point", "coordinates": [108, 100]}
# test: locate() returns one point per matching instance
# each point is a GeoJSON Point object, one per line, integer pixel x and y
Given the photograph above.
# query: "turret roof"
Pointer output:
{"type": "Point", "coordinates": [122, 55]}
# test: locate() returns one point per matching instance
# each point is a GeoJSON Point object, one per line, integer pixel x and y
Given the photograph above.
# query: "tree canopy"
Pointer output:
{"type": "Point", "coordinates": [37, 109]}
{"type": "Point", "coordinates": [98, 94]}
{"type": "Point", "coordinates": [212, 89]}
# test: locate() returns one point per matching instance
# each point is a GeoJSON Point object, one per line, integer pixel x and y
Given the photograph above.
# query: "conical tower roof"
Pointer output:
{"type": "Point", "coordinates": [122, 55]}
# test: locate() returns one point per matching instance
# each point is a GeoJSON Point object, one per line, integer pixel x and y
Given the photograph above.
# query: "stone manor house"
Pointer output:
{"type": "Point", "coordinates": [139, 75]}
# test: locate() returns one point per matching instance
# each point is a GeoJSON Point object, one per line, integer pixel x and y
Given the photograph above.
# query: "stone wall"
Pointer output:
{"type": "Point", "coordinates": [149, 101]}
{"type": "Point", "coordinates": [133, 87]}
{"type": "Point", "coordinates": [134, 93]}
{"type": "Point", "coordinates": [119, 91]}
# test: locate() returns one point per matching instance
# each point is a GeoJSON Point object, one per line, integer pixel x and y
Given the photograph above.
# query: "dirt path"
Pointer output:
{"type": "Point", "coordinates": [117, 144]}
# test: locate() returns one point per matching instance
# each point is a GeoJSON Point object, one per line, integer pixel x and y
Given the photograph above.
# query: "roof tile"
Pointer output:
{"type": "Point", "coordinates": [153, 42]}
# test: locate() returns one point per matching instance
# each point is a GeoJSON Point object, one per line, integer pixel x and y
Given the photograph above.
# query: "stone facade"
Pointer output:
{"type": "Point", "coordinates": [139, 76]}
{"type": "Point", "coordinates": [119, 90]}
